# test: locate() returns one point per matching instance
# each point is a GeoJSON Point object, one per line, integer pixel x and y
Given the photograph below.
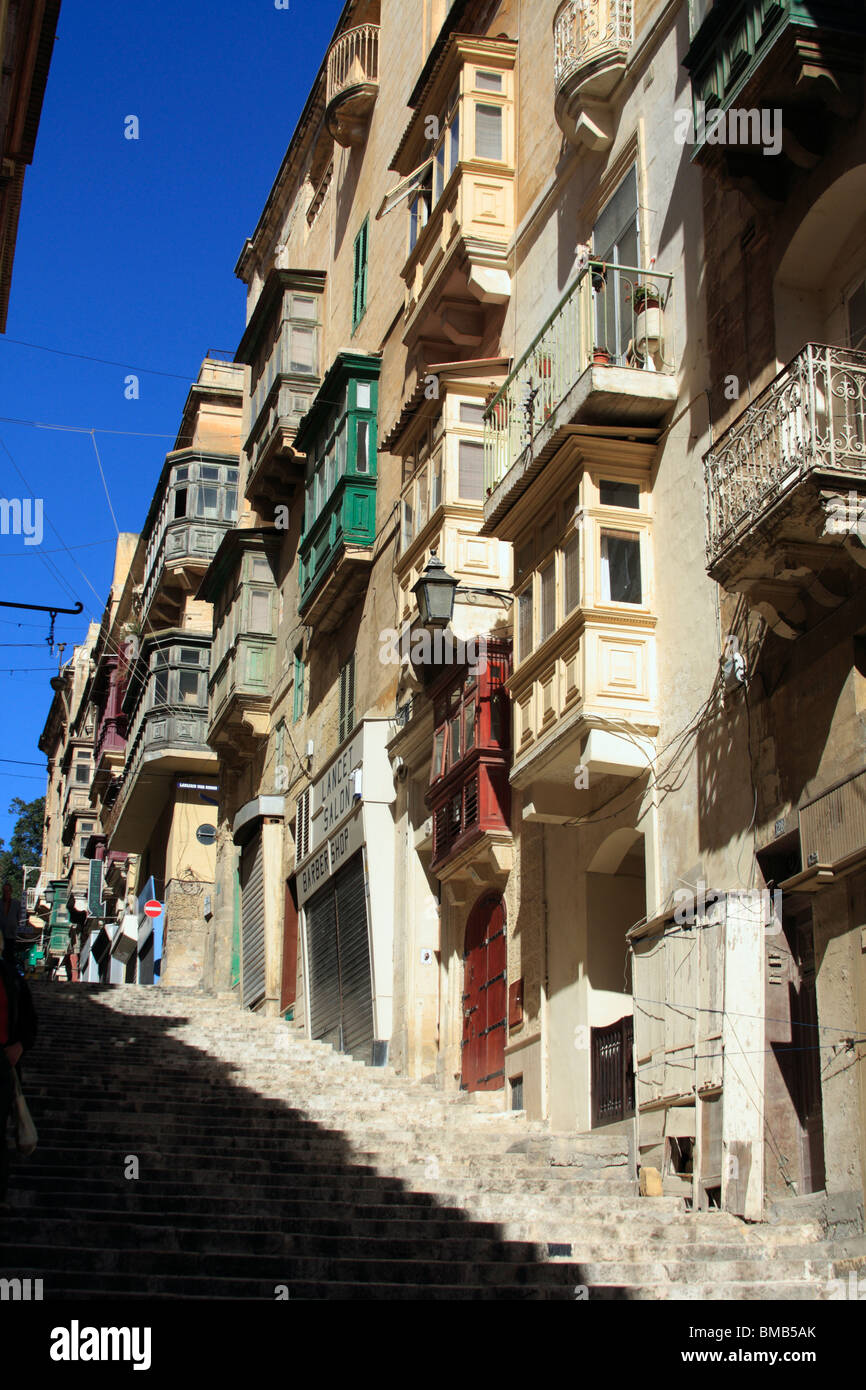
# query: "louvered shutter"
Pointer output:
{"type": "Point", "coordinates": [253, 923]}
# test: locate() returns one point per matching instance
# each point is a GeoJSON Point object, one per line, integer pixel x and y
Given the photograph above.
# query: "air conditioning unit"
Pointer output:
{"type": "Point", "coordinates": [833, 826]}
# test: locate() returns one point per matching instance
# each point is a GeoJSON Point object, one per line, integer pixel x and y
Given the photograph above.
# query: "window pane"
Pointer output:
{"type": "Point", "coordinates": [620, 494]}
{"type": "Point", "coordinates": [471, 470]}
{"type": "Point", "coordinates": [524, 623]}
{"type": "Point", "coordinates": [362, 395]}
{"type": "Point", "coordinates": [620, 567]}
{"type": "Point", "coordinates": [456, 742]}
{"type": "Point", "coordinates": [421, 498]}
{"type": "Point", "coordinates": [180, 502]}
{"type": "Point", "coordinates": [470, 725]}
{"type": "Point", "coordinates": [181, 474]}
{"type": "Point", "coordinates": [361, 458]}
{"type": "Point", "coordinates": [231, 496]}
{"type": "Point", "coordinates": [571, 567]}
{"type": "Point", "coordinates": [261, 567]}
{"type": "Point", "coordinates": [488, 132]}
{"type": "Point", "coordinates": [260, 610]}
{"type": "Point", "coordinates": [208, 501]}
{"type": "Point", "coordinates": [488, 81]}
{"type": "Point", "coordinates": [189, 656]}
{"type": "Point", "coordinates": [210, 475]}
{"type": "Point", "coordinates": [407, 529]}
{"type": "Point", "coordinates": [436, 481]}
{"type": "Point", "coordinates": [188, 687]}
{"type": "Point", "coordinates": [438, 749]}
{"type": "Point", "coordinates": [471, 413]}
{"type": "Point", "coordinates": [454, 137]}
{"type": "Point", "coordinates": [303, 308]}
{"type": "Point", "coordinates": [160, 688]}
{"type": "Point", "coordinates": [303, 354]}
{"type": "Point", "coordinates": [548, 602]}
{"type": "Point", "coordinates": [439, 179]}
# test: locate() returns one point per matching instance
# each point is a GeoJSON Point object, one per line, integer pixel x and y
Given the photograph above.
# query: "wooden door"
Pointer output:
{"type": "Point", "coordinates": [485, 996]}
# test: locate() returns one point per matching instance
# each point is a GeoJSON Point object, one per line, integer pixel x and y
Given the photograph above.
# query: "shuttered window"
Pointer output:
{"type": "Point", "coordinates": [471, 470]}
{"type": "Point", "coordinates": [571, 568]}
{"type": "Point", "coordinates": [547, 613]}
{"type": "Point", "coordinates": [359, 296]}
{"type": "Point", "coordinates": [524, 623]}
{"type": "Point", "coordinates": [302, 826]}
{"type": "Point", "coordinates": [298, 692]}
{"type": "Point", "coordinates": [488, 132]}
{"type": "Point", "coordinates": [347, 698]}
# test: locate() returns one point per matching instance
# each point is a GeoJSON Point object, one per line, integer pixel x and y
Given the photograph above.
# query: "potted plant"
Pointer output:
{"type": "Point", "coordinates": [600, 356]}
{"type": "Point", "coordinates": [649, 338]}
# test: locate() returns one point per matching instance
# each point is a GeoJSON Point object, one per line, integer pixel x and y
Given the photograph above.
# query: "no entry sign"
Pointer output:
{"type": "Point", "coordinates": [153, 908]}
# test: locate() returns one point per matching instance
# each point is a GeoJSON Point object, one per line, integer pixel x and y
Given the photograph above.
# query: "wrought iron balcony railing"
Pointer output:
{"type": "Point", "coordinates": [812, 417]}
{"type": "Point", "coordinates": [353, 59]}
{"type": "Point", "coordinates": [612, 316]}
{"type": "Point", "coordinates": [584, 29]}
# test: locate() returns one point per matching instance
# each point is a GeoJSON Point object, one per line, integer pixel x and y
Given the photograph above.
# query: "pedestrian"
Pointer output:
{"type": "Point", "coordinates": [17, 1036]}
{"type": "Point", "coordinates": [10, 913]}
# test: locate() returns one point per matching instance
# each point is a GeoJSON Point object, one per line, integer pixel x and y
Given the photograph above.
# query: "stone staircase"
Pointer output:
{"type": "Point", "coordinates": [269, 1166]}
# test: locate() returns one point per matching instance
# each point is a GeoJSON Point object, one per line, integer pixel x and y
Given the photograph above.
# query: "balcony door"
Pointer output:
{"type": "Point", "coordinates": [615, 241]}
{"type": "Point", "coordinates": [485, 996]}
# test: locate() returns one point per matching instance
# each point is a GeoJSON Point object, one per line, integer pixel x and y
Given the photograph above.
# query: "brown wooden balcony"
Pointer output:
{"type": "Point", "coordinates": [352, 83]}
{"type": "Point", "coordinates": [592, 39]}
{"type": "Point", "coordinates": [786, 489]}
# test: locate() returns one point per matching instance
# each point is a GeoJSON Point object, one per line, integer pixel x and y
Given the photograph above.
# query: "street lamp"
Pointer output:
{"type": "Point", "coordinates": [434, 592]}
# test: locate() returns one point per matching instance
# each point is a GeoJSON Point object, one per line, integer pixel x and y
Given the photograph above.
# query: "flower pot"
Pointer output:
{"type": "Point", "coordinates": [600, 357]}
{"type": "Point", "coordinates": [649, 335]}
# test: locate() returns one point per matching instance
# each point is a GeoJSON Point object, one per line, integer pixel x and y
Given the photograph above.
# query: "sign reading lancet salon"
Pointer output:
{"type": "Point", "coordinates": [331, 856]}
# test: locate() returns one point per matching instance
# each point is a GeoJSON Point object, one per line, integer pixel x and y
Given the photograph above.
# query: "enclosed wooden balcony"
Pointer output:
{"type": "Point", "coordinates": [786, 490]}
{"type": "Point", "coordinates": [352, 83]}
{"type": "Point", "coordinates": [592, 39]}
{"type": "Point", "coordinates": [798, 60]}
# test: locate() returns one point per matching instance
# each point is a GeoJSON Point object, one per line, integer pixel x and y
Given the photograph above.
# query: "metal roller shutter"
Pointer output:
{"type": "Point", "coordinates": [356, 985]}
{"type": "Point", "coordinates": [324, 967]}
{"type": "Point", "coordinates": [253, 923]}
{"type": "Point", "coordinates": [338, 945]}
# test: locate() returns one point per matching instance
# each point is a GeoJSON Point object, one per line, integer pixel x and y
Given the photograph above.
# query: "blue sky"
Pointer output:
{"type": "Point", "coordinates": [126, 251]}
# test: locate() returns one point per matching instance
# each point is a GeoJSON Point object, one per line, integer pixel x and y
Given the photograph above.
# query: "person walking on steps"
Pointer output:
{"type": "Point", "coordinates": [17, 1036]}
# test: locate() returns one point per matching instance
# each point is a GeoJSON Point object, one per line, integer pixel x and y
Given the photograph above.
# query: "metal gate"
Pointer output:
{"type": "Point", "coordinates": [485, 996]}
{"type": "Point", "coordinates": [613, 1072]}
{"type": "Point", "coordinates": [252, 923]}
{"type": "Point", "coordinates": [338, 951]}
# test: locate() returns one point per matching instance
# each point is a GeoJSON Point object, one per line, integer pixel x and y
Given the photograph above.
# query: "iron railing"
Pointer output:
{"type": "Point", "coordinates": [812, 416]}
{"type": "Point", "coordinates": [353, 59]}
{"type": "Point", "coordinates": [612, 315]}
{"type": "Point", "coordinates": [585, 28]}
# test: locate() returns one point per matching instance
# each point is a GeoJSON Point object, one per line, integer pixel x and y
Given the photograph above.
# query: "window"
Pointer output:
{"type": "Point", "coordinates": [615, 241]}
{"type": "Point", "coordinates": [472, 412]}
{"type": "Point", "coordinates": [260, 610]}
{"type": "Point", "coordinates": [208, 502]}
{"type": "Point", "coordinates": [359, 293]}
{"type": "Point", "coordinates": [362, 456]}
{"type": "Point", "coordinates": [419, 210]}
{"type": "Point", "coordinates": [209, 475]}
{"type": "Point", "coordinates": [547, 612]}
{"type": "Point", "coordinates": [347, 698]}
{"type": "Point", "coordinates": [82, 770]}
{"type": "Point", "coordinates": [280, 749]}
{"type": "Point", "coordinates": [302, 349]}
{"type": "Point", "coordinates": [488, 132]}
{"type": "Point", "coordinates": [471, 470]}
{"type": "Point", "coordinates": [298, 692]}
{"type": "Point", "coordinates": [524, 623]}
{"type": "Point", "coordinates": [620, 567]}
{"type": "Point", "coordinates": [160, 687]}
{"type": "Point", "coordinates": [488, 81]}
{"type": "Point", "coordinates": [188, 683]}
{"type": "Point", "coordinates": [619, 494]}
{"type": "Point", "coordinates": [571, 572]}
{"type": "Point", "coordinates": [857, 318]}
{"type": "Point", "coordinates": [179, 502]}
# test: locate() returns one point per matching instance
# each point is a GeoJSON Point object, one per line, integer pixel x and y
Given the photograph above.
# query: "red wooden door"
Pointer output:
{"type": "Point", "coordinates": [485, 996]}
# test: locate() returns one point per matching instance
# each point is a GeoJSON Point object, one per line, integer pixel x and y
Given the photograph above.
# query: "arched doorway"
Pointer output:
{"type": "Point", "coordinates": [485, 996]}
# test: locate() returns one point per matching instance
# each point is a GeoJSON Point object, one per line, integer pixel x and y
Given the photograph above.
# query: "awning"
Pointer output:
{"type": "Point", "coordinates": [404, 188]}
